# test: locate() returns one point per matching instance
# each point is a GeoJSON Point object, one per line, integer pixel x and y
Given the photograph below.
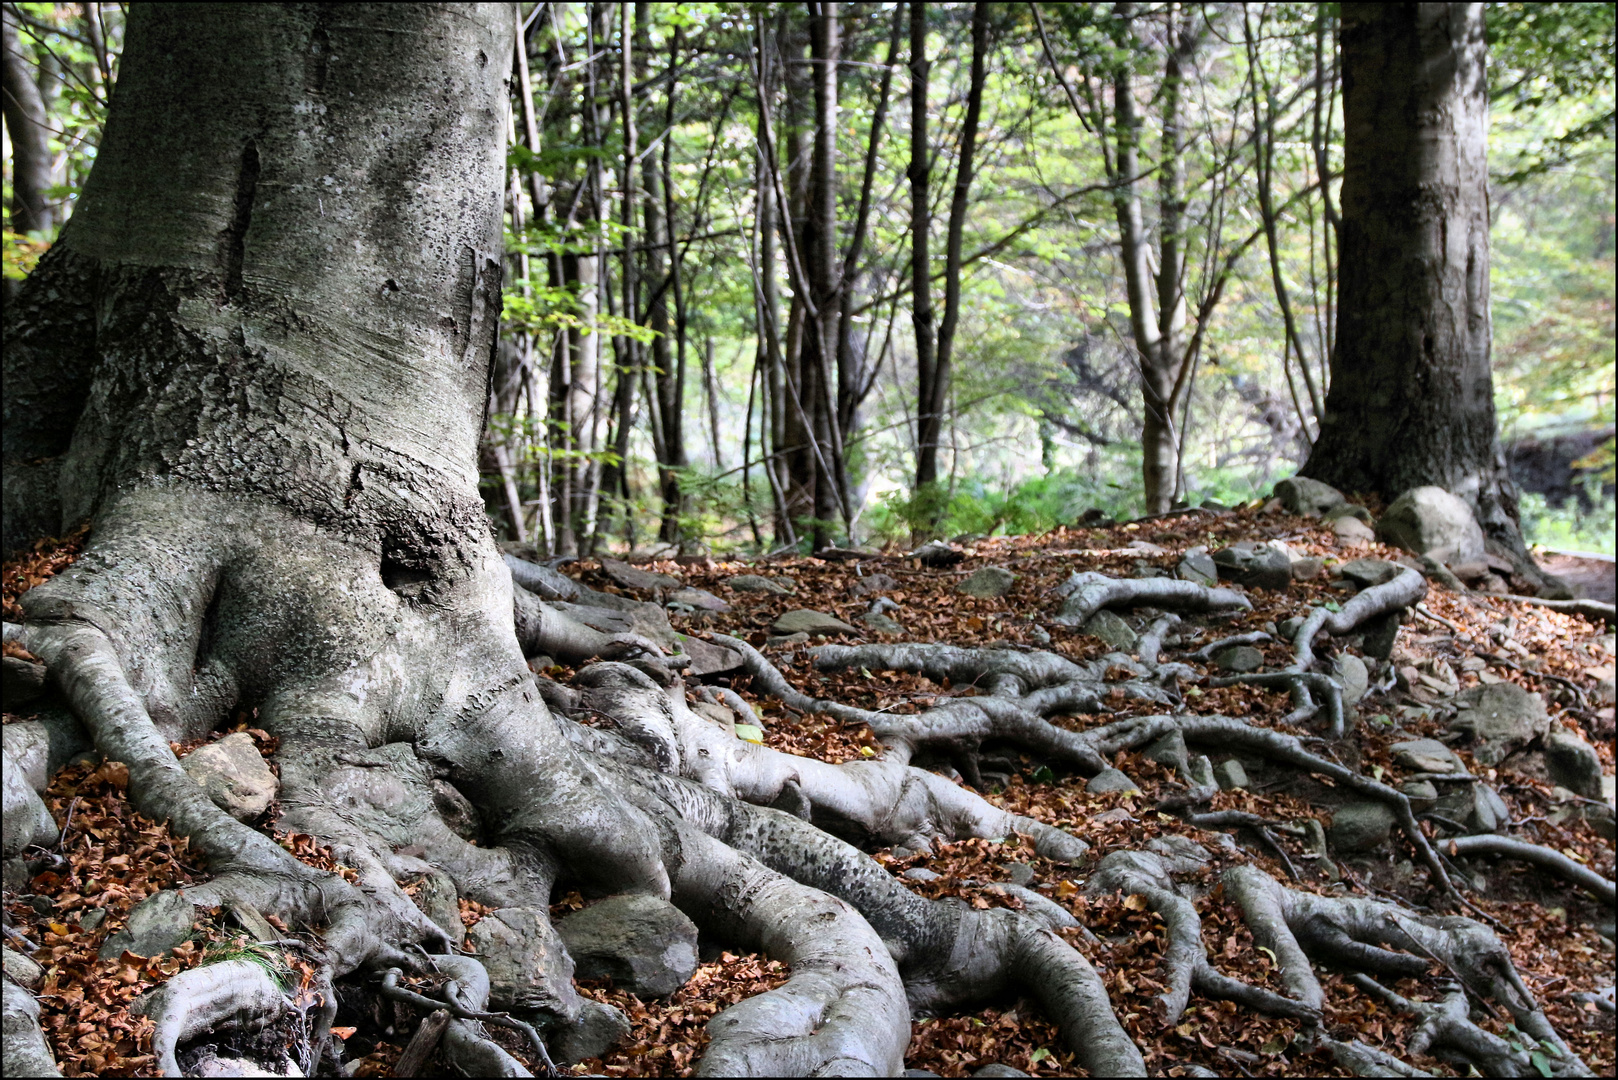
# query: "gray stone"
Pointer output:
{"type": "Point", "coordinates": [1169, 751]}
{"type": "Point", "coordinates": [16, 875]}
{"type": "Point", "coordinates": [1018, 873]}
{"type": "Point", "coordinates": [697, 598]}
{"type": "Point", "coordinates": [918, 1072]}
{"type": "Point", "coordinates": [1423, 794]}
{"type": "Point", "coordinates": [1354, 676]}
{"type": "Point", "coordinates": [879, 622]}
{"type": "Point", "coordinates": [919, 873]}
{"type": "Point", "coordinates": [1198, 566]}
{"type": "Point", "coordinates": [23, 970]}
{"type": "Point", "coordinates": [805, 621]}
{"type": "Point", "coordinates": [643, 943]}
{"type": "Point", "coordinates": [233, 774]}
{"type": "Point", "coordinates": [1199, 772]}
{"type": "Point", "coordinates": [94, 917]}
{"type": "Point", "coordinates": [1230, 775]}
{"type": "Point", "coordinates": [1254, 565]}
{"type": "Point", "coordinates": [1307, 568]}
{"type": "Point", "coordinates": [1360, 827]}
{"type": "Point", "coordinates": [999, 1070]}
{"type": "Point", "coordinates": [1489, 811]}
{"type": "Point", "coordinates": [1146, 547]}
{"type": "Point", "coordinates": [1430, 521]}
{"type": "Point", "coordinates": [780, 641]}
{"type": "Point", "coordinates": [874, 583]}
{"type": "Point", "coordinates": [1239, 659]}
{"type": "Point", "coordinates": [26, 1052]}
{"type": "Point", "coordinates": [1573, 763]}
{"type": "Point", "coordinates": [1380, 635]}
{"type": "Point", "coordinates": [1368, 572]}
{"type": "Point", "coordinates": [1500, 717]}
{"type": "Point", "coordinates": [988, 583]}
{"type": "Point", "coordinates": [597, 1030]}
{"type": "Point", "coordinates": [1111, 628]}
{"type": "Point", "coordinates": [1352, 532]}
{"type": "Point", "coordinates": [529, 967]}
{"type": "Point", "coordinates": [1347, 509]}
{"type": "Point", "coordinates": [23, 817]}
{"type": "Point", "coordinates": [1310, 498]}
{"type": "Point", "coordinates": [1426, 755]}
{"type": "Point", "coordinates": [156, 925]}
{"type": "Point", "coordinates": [756, 583]}
{"type": "Point", "coordinates": [1108, 781]}
{"type": "Point", "coordinates": [633, 577]}
{"type": "Point", "coordinates": [28, 746]}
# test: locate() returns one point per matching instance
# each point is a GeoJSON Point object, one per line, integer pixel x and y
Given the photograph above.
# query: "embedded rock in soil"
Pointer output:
{"type": "Point", "coordinates": [1110, 780]}
{"type": "Point", "coordinates": [1355, 678]}
{"type": "Point", "coordinates": [1239, 659]}
{"type": "Point", "coordinates": [25, 820]}
{"type": "Point", "coordinates": [1430, 521]}
{"type": "Point", "coordinates": [805, 621]}
{"type": "Point", "coordinates": [1573, 763]}
{"type": "Point", "coordinates": [23, 970]}
{"type": "Point", "coordinates": [1423, 794]}
{"type": "Point", "coordinates": [1307, 568]}
{"type": "Point", "coordinates": [1426, 755]}
{"type": "Point", "coordinates": [1018, 873]}
{"type": "Point", "coordinates": [919, 873]}
{"type": "Point", "coordinates": [28, 746]}
{"type": "Point", "coordinates": [1198, 566]}
{"type": "Point", "coordinates": [1169, 752]}
{"type": "Point", "coordinates": [1254, 565]}
{"type": "Point", "coordinates": [1348, 509]}
{"type": "Point", "coordinates": [879, 622]}
{"type": "Point", "coordinates": [697, 598]}
{"type": "Point", "coordinates": [988, 583]}
{"type": "Point", "coordinates": [1230, 775]}
{"type": "Point", "coordinates": [1368, 572]}
{"type": "Point", "coordinates": [1112, 629]}
{"type": "Point", "coordinates": [528, 967]}
{"type": "Point", "coordinates": [156, 925]}
{"type": "Point", "coordinates": [1306, 497]}
{"type": "Point", "coordinates": [874, 583]}
{"type": "Point", "coordinates": [1360, 827]}
{"type": "Point", "coordinates": [1352, 532]}
{"type": "Point", "coordinates": [641, 942]}
{"type": "Point", "coordinates": [633, 577]}
{"type": "Point", "coordinates": [233, 774]}
{"type": "Point", "coordinates": [1500, 717]}
{"type": "Point", "coordinates": [597, 1030]}
{"type": "Point", "coordinates": [757, 583]}
{"type": "Point", "coordinates": [25, 1049]}
{"type": "Point", "coordinates": [1476, 807]}
{"type": "Point", "coordinates": [999, 1070]}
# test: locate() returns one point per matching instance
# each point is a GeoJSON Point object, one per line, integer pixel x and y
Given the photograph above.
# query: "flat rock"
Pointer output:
{"type": "Point", "coordinates": [1430, 521]}
{"type": "Point", "coordinates": [1307, 568]}
{"type": "Point", "coordinates": [1146, 547]}
{"type": "Point", "coordinates": [988, 582]}
{"type": "Point", "coordinates": [1368, 572]}
{"type": "Point", "coordinates": [1351, 532]}
{"type": "Point", "coordinates": [871, 584]}
{"type": "Point", "coordinates": [1169, 751]}
{"type": "Point", "coordinates": [758, 583]}
{"type": "Point", "coordinates": [26, 1051]}
{"type": "Point", "coordinates": [1354, 676]}
{"type": "Point", "coordinates": [234, 775]}
{"type": "Point", "coordinates": [1254, 565]}
{"type": "Point", "coordinates": [879, 622]}
{"type": "Point", "coordinates": [633, 577]}
{"type": "Point", "coordinates": [807, 621]}
{"type": "Point", "coordinates": [937, 555]}
{"type": "Point", "coordinates": [1500, 717]}
{"type": "Point", "coordinates": [919, 873]}
{"type": "Point", "coordinates": [643, 943]}
{"type": "Point", "coordinates": [697, 598]}
{"type": "Point", "coordinates": [1422, 793]}
{"type": "Point", "coordinates": [1108, 781]}
{"type": "Point", "coordinates": [1239, 659]}
{"type": "Point", "coordinates": [23, 970]}
{"type": "Point", "coordinates": [156, 925]}
{"type": "Point", "coordinates": [1360, 827]}
{"type": "Point", "coordinates": [1427, 755]}
{"type": "Point", "coordinates": [1230, 775]}
{"type": "Point", "coordinates": [1198, 566]}
{"type": "Point", "coordinates": [998, 1069]}
{"type": "Point", "coordinates": [1347, 509]}
{"type": "Point", "coordinates": [1309, 498]}
{"type": "Point", "coordinates": [1111, 628]}
{"type": "Point", "coordinates": [1573, 763]}
{"type": "Point", "coordinates": [1018, 873]}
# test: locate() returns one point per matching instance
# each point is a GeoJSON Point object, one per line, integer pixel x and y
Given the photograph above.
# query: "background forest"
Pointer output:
{"type": "Point", "coordinates": [789, 275]}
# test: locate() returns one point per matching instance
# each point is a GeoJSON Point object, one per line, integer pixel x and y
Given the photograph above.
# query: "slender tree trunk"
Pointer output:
{"type": "Point", "coordinates": [921, 304]}
{"type": "Point", "coordinates": [934, 407]}
{"type": "Point", "coordinates": [1411, 399]}
{"type": "Point", "coordinates": [26, 122]}
{"type": "Point", "coordinates": [671, 367]}
{"type": "Point", "coordinates": [825, 279]}
{"type": "Point", "coordinates": [798, 381]}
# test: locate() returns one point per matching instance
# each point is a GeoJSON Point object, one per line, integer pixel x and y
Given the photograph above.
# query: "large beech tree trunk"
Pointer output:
{"type": "Point", "coordinates": [1411, 399]}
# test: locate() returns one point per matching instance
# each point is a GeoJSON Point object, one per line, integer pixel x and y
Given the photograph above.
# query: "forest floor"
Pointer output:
{"type": "Point", "coordinates": [111, 857]}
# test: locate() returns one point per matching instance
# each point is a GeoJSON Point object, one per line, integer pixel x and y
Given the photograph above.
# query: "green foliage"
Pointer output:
{"type": "Point", "coordinates": [21, 253]}
{"type": "Point", "coordinates": [1568, 528]}
{"type": "Point", "coordinates": [1551, 66]}
{"type": "Point", "coordinates": [1034, 505]}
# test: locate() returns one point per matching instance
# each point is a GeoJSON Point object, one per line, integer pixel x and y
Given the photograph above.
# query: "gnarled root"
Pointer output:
{"type": "Point", "coordinates": [24, 1046]}
{"type": "Point", "coordinates": [1088, 592]}
{"type": "Point", "coordinates": [231, 993]}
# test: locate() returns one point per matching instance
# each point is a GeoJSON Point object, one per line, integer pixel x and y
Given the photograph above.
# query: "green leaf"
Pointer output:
{"type": "Point", "coordinates": [750, 733]}
{"type": "Point", "coordinates": [1043, 775]}
{"type": "Point", "coordinates": [1541, 1062]}
{"type": "Point", "coordinates": [1038, 1055]}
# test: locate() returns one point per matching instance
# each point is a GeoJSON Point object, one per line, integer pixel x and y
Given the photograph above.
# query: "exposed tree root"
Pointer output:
{"type": "Point", "coordinates": [1541, 856]}
{"type": "Point", "coordinates": [231, 993]}
{"type": "Point", "coordinates": [1088, 592]}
